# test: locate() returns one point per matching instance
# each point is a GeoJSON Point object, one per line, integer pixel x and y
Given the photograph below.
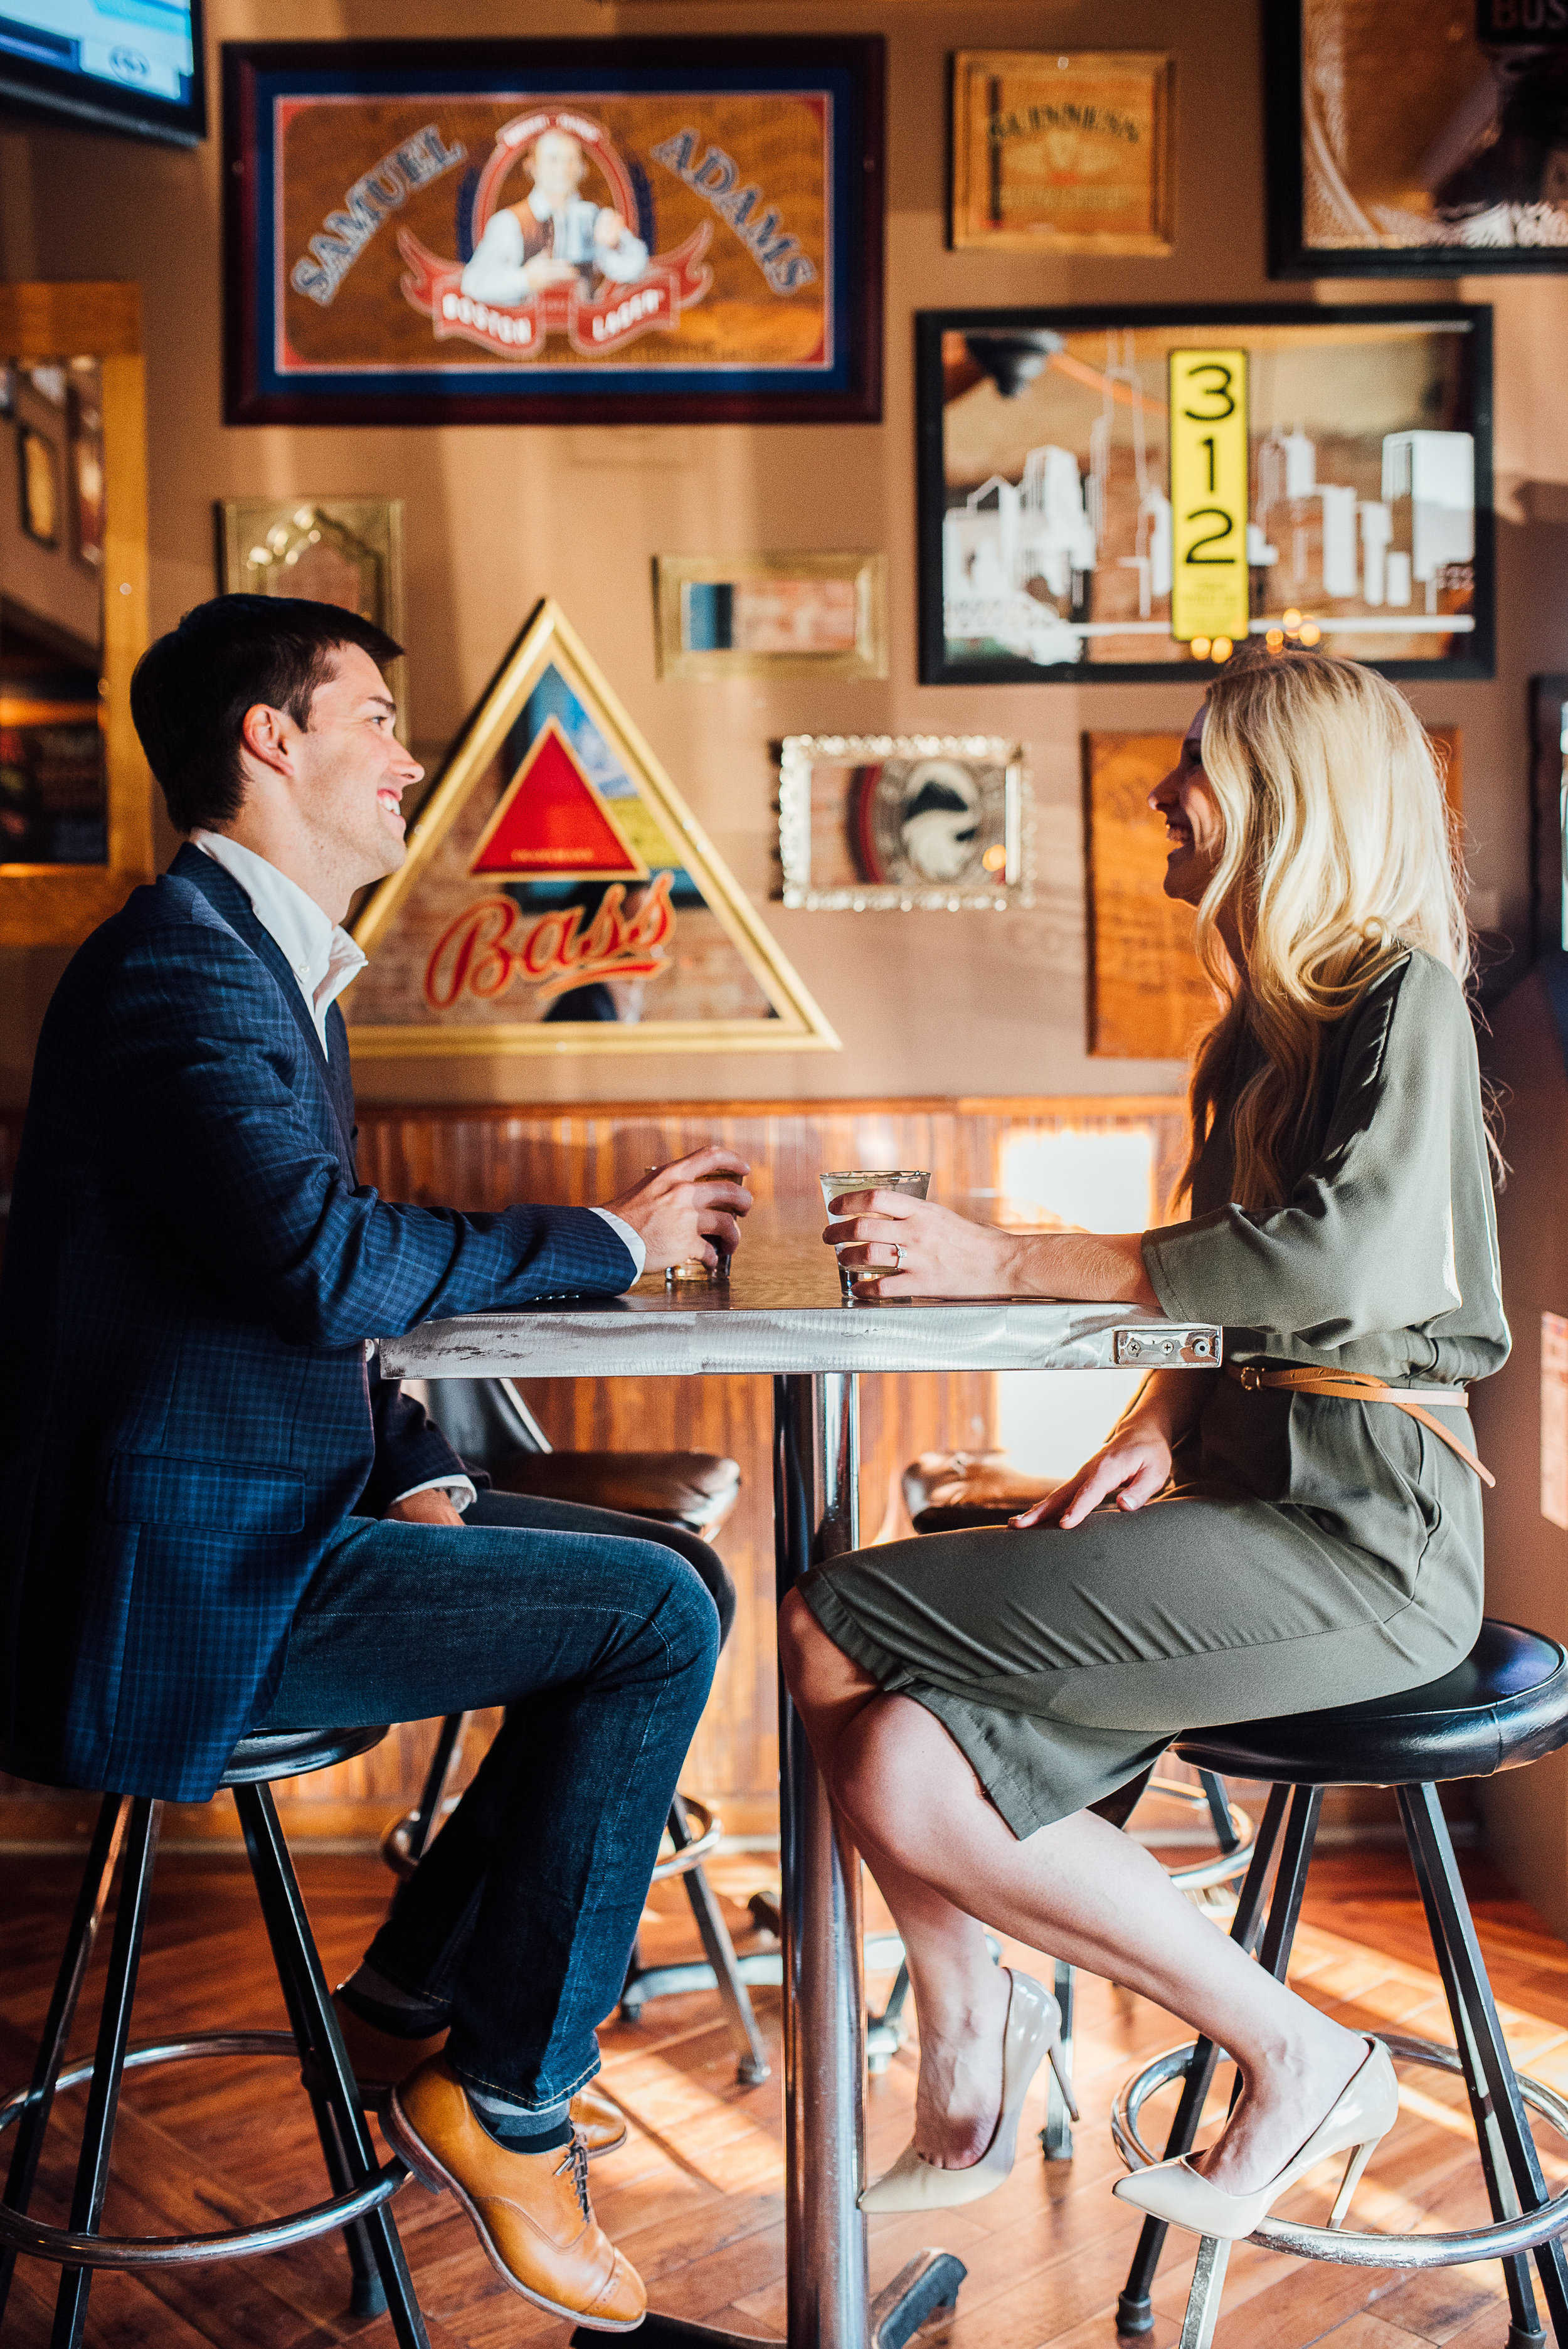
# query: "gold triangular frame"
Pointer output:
{"type": "Point", "coordinates": [548, 639]}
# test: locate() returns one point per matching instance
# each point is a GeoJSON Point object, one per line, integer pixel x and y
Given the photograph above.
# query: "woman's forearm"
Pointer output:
{"type": "Point", "coordinates": [1097, 1266]}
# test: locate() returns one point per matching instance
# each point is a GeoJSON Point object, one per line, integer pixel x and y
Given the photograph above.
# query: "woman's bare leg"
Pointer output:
{"type": "Point", "coordinates": [1080, 1889]}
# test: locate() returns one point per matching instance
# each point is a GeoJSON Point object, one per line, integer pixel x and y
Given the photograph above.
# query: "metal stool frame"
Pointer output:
{"type": "Point", "coordinates": [1525, 2219]}
{"type": "Point", "coordinates": [127, 1830]}
{"type": "Point", "coordinates": [408, 1839]}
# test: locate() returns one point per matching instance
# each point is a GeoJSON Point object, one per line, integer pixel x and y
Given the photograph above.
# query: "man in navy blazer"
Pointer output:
{"type": "Point", "coordinates": [213, 1516]}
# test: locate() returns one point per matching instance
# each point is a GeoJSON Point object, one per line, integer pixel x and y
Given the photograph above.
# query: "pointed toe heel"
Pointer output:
{"type": "Point", "coordinates": [1033, 2031]}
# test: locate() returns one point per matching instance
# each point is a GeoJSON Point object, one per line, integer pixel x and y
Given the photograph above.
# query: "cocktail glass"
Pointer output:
{"type": "Point", "coordinates": [913, 1180]}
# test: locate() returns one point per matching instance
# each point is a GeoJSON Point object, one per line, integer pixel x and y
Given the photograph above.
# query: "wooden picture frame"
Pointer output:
{"type": "Point", "coordinates": [865, 821]}
{"type": "Point", "coordinates": [717, 615]}
{"type": "Point", "coordinates": [1417, 139]}
{"type": "Point", "coordinates": [718, 204]}
{"type": "Point", "coordinates": [59, 905]}
{"type": "Point", "coordinates": [40, 487]}
{"type": "Point", "coordinates": [1050, 539]}
{"type": "Point", "coordinates": [344, 551]}
{"type": "Point", "coordinates": [1063, 154]}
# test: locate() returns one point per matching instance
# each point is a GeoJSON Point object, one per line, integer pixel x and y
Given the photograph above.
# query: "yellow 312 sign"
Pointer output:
{"type": "Point", "coordinates": [1209, 494]}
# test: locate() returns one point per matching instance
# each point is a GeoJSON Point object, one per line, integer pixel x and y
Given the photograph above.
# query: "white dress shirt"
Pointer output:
{"type": "Point", "coordinates": [324, 958]}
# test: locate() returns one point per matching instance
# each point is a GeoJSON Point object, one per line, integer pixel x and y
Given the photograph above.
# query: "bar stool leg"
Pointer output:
{"type": "Point", "coordinates": [108, 2061]}
{"type": "Point", "coordinates": [1134, 2308]}
{"type": "Point", "coordinates": [1057, 2137]}
{"type": "Point", "coordinates": [1476, 2027]}
{"type": "Point", "coordinates": [1205, 2297]}
{"type": "Point", "coordinates": [295, 1955]}
{"type": "Point", "coordinates": [721, 1953]}
{"type": "Point", "coordinates": [102, 1854]}
{"type": "Point", "coordinates": [444, 1760]}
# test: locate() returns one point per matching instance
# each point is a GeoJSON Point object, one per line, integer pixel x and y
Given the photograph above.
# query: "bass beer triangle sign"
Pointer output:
{"type": "Point", "coordinates": [551, 820]}
{"type": "Point", "coordinates": [558, 895]}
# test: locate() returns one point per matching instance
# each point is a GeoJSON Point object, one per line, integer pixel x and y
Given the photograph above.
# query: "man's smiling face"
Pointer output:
{"type": "Point", "coordinates": [1194, 827]}
{"type": "Point", "coordinates": [352, 771]}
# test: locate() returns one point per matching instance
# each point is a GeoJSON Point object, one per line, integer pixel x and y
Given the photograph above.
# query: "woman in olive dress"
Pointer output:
{"type": "Point", "coordinates": [1238, 1549]}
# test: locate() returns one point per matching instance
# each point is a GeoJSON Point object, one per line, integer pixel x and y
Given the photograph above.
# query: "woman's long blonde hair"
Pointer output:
{"type": "Point", "coordinates": [1339, 855]}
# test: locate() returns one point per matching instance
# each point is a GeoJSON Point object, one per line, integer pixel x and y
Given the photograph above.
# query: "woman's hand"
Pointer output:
{"type": "Point", "coordinates": [690, 1209]}
{"type": "Point", "coordinates": [944, 1255]}
{"type": "Point", "coordinates": [1132, 1467]}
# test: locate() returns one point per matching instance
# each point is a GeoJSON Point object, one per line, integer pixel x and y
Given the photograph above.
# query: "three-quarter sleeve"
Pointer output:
{"type": "Point", "coordinates": [1366, 1241]}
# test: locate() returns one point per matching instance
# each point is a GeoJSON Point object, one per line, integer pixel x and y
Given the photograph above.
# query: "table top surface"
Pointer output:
{"type": "Point", "coordinates": [781, 1310]}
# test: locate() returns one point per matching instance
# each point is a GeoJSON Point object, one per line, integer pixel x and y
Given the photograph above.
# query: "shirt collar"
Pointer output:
{"type": "Point", "coordinates": [322, 956]}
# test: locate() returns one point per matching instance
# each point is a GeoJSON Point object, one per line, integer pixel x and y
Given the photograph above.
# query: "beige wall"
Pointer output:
{"type": "Point", "coordinates": [932, 1004]}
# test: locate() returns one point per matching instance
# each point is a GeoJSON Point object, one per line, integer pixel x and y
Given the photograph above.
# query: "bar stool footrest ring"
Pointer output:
{"type": "Point", "coordinates": [1344, 2246]}
{"type": "Point", "coordinates": [29, 2238]}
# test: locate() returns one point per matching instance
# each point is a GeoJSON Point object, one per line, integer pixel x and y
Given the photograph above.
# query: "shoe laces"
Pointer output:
{"type": "Point", "coordinates": [575, 2159]}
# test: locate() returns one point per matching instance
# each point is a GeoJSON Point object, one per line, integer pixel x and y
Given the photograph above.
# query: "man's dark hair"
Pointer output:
{"type": "Point", "coordinates": [190, 691]}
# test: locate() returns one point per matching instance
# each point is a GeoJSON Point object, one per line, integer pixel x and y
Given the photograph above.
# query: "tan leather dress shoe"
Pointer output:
{"type": "Point", "coordinates": [378, 2062]}
{"type": "Point", "coordinates": [530, 2209]}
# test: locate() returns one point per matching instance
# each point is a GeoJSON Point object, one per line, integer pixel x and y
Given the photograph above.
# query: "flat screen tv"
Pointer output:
{"type": "Point", "coordinates": [125, 65]}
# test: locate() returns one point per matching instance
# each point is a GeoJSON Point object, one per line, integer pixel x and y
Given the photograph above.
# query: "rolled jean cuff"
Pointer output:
{"type": "Point", "coordinates": [541, 2109]}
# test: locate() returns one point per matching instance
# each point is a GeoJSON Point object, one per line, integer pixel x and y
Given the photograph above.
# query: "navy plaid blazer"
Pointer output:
{"type": "Point", "coordinates": [191, 1272]}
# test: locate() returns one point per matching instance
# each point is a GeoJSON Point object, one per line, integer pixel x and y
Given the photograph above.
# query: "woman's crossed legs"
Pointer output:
{"type": "Point", "coordinates": [945, 1858]}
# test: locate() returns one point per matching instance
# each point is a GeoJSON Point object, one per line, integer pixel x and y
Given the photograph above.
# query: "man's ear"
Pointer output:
{"type": "Point", "coordinates": [265, 733]}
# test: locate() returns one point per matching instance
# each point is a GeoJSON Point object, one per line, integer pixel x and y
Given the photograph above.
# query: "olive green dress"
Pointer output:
{"type": "Point", "coordinates": [1309, 1551]}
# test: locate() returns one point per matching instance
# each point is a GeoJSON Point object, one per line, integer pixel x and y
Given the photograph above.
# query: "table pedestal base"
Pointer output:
{"type": "Point", "coordinates": [928, 2281]}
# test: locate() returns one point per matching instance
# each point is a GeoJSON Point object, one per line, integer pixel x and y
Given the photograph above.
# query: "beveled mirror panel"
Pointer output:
{"type": "Point", "coordinates": [75, 794]}
{"type": "Point", "coordinates": [772, 615]}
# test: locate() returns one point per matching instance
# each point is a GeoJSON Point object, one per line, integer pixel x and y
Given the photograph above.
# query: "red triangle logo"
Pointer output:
{"type": "Point", "coordinates": [551, 820]}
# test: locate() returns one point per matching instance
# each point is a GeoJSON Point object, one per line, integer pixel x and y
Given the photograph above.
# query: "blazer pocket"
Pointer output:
{"type": "Point", "coordinates": [156, 1488]}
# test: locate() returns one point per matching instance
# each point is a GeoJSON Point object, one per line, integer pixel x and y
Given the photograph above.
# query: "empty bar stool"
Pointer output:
{"type": "Point", "coordinates": [1505, 1705]}
{"type": "Point", "coordinates": [487, 1423]}
{"type": "Point", "coordinates": [958, 1492]}
{"type": "Point", "coordinates": [127, 1831]}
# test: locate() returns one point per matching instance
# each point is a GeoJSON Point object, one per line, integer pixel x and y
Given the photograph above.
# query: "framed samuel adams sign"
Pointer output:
{"type": "Point", "coordinates": [553, 232]}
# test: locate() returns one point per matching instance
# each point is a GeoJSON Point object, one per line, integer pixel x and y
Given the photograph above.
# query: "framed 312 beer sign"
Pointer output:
{"type": "Point", "coordinates": [553, 232]}
{"type": "Point", "coordinates": [1131, 492]}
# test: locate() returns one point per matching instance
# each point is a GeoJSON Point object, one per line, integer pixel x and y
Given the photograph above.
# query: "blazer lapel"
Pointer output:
{"type": "Point", "coordinates": [225, 895]}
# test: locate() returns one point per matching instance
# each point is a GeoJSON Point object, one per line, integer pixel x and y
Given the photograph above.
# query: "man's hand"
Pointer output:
{"type": "Point", "coordinates": [545, 270]}
{"type": "Point", "coordinates": [1133, 1466]}
{"type": "Point", "coordinates": [608, 228]}
{"type": "Point", "coordinates": [430, 1507]}
{"type": "Point", "coordinates": [944, 1255]}
{"type": "Point", "coordinates": [688, 1210]}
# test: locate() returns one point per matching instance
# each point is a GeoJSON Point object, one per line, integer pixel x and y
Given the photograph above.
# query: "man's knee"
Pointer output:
{"type": "Point", "coordinates": [680, 1609]}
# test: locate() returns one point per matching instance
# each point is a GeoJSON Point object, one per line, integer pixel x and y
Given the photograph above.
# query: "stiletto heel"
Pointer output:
{"type": "Point", "coordinates": [1358, 2162]}
{"type": "Point", "coordinates": [1064, 2077]}
{"type": "Point", "coordinates": [1034, 2030]}
{"type": "Point", "coordinates": [1363, 2114]}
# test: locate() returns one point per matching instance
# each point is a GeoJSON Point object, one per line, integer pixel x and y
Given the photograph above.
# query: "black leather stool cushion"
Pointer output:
{"type": "Point", "coordinates": [1506, 1704]}
{"type": "Point", "coordinates": [288, 1754]}
{"type": "Point", "coordinates": [695, 1489]}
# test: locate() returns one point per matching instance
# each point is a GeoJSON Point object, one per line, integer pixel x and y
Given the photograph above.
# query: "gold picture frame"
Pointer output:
{"type": "Point", "coordinates": [696, 604]}
{"type": "Point", "coordinates": [344, 551]}
{"type": "Point", "coordinates": [1063, 154]}
{"type": "Point", "coordinates": [646, 818]}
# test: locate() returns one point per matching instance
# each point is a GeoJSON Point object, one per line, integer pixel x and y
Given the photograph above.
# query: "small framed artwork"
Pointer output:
{"type": "Point", "coordinates": [1063, 154]}
{"type": "Point", "coordinates": [771, 614]}
{"type": "Point", "coordinates": [84, 427]}
{"type": "Point", "coordinates": [343, 551]}
{"type": "Point", "coordinates": [591, 232]}
{"type": "Point", "coordinates": [908, 823]}
{"type": "Point", "coordinates": [1148, 996]}
{"type": "Point", "coordinates": [38, 486]}
{"type": "Point", "coordinates": [1416, 138]}
{"type": "Point", "coordinates": [1132, 492]}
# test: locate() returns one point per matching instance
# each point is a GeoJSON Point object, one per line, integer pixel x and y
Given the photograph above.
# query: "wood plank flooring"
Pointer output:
{"type": "Point", "coordinates": [696, 2196]}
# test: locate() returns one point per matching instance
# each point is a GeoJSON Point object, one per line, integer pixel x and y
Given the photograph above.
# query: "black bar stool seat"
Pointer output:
{"type": "Point", "coordinates": [125, 1833]}
{"type": "Point", "coordinates": [1505, 1705]}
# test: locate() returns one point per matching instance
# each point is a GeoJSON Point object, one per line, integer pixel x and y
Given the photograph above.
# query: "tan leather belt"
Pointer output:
{"type": "Point", "coordinates": [1360, 1386]}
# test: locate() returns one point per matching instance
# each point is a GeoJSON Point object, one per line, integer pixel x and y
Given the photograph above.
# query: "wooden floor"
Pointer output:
{"type": "Point", "coordinates": [696, 2197]}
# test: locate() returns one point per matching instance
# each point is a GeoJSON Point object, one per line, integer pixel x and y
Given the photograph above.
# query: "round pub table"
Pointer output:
{"type": "Point", "coordinates": [779, 1315]}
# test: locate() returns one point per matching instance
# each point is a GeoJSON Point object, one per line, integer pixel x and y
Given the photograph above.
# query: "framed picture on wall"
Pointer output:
{"type": "Point", "coordinates": [38, 486]}
{"type": "Point", "coordinates": [1063, 154]}
{"type": "Point", "coordinates": [84, 415]}
{"type": "Point", "coordinates": [1416, 138]}
{"type": "Point", "coordinates": [592, 231]}
{"type": "Point", "coordinates": [906, 824]}
{"type": "Point", "coordinates": [1132, 492]}
{"type": "Point", "coordinates": [343, 551]}
{"type": "Point", "coordinates": [719, 615]}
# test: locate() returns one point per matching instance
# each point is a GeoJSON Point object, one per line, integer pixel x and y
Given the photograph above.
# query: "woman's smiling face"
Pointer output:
{"type": "Point", "coordinates": [1194, 825]}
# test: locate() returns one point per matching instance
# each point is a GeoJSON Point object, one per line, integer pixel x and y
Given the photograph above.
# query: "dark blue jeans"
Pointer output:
{"type": "Point", "coordinates": [521, 1917]}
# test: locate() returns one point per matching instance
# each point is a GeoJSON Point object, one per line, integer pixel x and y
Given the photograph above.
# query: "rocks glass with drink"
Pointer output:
{"type": "Point", "coordinates": [914, 1182]}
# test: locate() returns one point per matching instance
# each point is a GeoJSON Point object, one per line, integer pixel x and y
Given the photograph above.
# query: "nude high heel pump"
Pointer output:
{"type": "Point", "coordinates": [1173, 2190]}
{"type": "Point", "coordinates": [1034, 2030]}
